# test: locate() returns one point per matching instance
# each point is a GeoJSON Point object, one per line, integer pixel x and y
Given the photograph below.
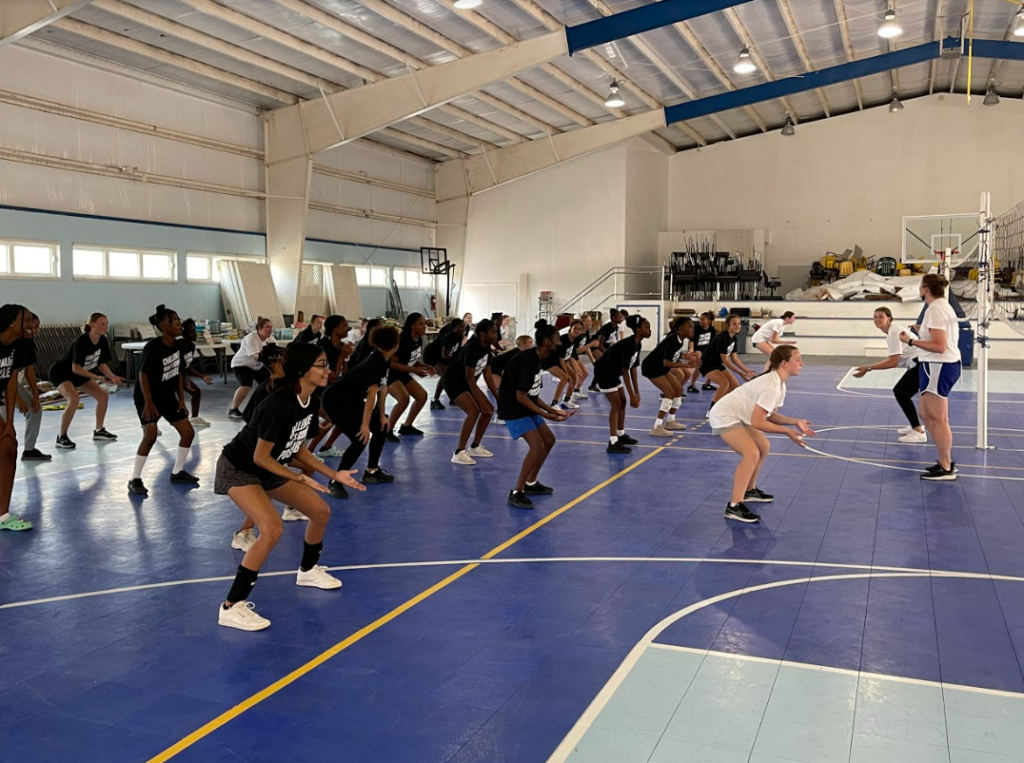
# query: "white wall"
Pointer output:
{"type": "Point", "coordinates": [646, 212]}
{"type": "Point", "coordinates": [851, 179]}
{"type": "Point", "coordinates": [563, 227]}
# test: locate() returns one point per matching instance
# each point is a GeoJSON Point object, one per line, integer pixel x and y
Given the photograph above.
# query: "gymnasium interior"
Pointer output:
{"type": "Point", "coordinates": [528, 160]}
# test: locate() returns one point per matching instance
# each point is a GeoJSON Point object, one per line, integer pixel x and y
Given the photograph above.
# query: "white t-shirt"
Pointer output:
{"type": "Point", "coordinates": [249, 350]}
{"type": "Point", "coordinates": [766, 391]}
{"type": "Point", "coordinates": [764, 334]}
{"type": "Point", "coordinates": [893, 346]}
{"type": "Point", "coordinates": [354, 335]}
{"type": "Point", "coordinates": [940, 315]}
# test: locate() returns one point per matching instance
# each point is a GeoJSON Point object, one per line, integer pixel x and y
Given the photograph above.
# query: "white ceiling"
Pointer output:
{"type": "Point", "coordinates": [671, 65]}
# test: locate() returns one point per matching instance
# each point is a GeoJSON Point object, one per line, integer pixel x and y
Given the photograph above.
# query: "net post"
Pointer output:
{"type": "Point", "coordinates": [985, 287]}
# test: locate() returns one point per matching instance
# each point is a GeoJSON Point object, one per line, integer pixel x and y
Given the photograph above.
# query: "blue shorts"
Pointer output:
{"type": "Point", "coordinates": [518, 427]}
{"type": "Point", "coordinates": [938, 378]}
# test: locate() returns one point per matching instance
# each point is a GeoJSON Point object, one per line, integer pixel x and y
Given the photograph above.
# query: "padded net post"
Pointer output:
{"type": "Point", "coordinates": [985, 288]}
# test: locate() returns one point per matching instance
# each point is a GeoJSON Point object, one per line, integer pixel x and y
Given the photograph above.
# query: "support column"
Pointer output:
{"type": "Point", "coordinates": [452, 210]}
{"type": "Point", "coordinates": [289, 171]}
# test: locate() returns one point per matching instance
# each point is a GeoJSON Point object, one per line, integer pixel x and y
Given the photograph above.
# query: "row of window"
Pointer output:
{"type": "Point", "coordinates": [33, 259]}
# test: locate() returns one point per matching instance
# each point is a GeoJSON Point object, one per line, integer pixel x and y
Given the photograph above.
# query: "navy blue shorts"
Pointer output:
{"type": "Point", "coordinates": [938, 378]}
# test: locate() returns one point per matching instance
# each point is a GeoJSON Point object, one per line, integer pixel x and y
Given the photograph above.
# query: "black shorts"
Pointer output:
{"type": "Point", "coordinates": [59, 373]}
{"type": "Point", "coordinates": [653, 370]}
{"type": "Point", "coordinates": [228, 476]}
{"type": "Point", "coordinates": [455, 382]}
{"type": "Point", "coordinates": [396, 377]}
{"type": "Point", "coordinates": [167, 408]}
{"type": "Point", "coordinates": [432, 356]}
{"type": "Point", "coordinates": [707, 369]}
{"type": "Point", "coordinates": [251, 377]}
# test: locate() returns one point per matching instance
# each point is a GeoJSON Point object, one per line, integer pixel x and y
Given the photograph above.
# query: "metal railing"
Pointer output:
{"type": "Point", "coordinates": [616, 285]}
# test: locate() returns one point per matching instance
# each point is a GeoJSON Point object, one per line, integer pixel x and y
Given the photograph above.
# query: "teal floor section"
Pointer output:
{"type": "Point", "coordinates": [706, 707]}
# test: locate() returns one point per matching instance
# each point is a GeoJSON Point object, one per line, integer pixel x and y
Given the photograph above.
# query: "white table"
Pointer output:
{"type": "Point", "coordinates": [219, 348]}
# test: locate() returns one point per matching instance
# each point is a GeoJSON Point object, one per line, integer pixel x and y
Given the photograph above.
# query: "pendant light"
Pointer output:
{"type": "Point", "coordinates": [614, 100]}
{"type": "Point", "coordinates": [744, 65]}
{"type": "Point", "coordinates": [789, 128]}
{"type": "Point", "coordinates": [890, 26]}
{"type": "Point", "coordinates": [895, 105]}
{"type": "Point", "coordinates": [991, 97]}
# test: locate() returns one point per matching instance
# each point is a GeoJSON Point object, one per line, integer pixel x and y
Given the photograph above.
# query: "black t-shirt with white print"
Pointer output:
{"type": "Point", "coordinates": [351, 389]}
{"type": "Point", "coordinates": [282, 420]}
{"type": "Point", "coordinates": [409, 350]}
{"type": "Point", "coordinates": [86, 354]}
{"type": "Point", "coordinates": [722, 344]}
{"type": "Point", "coordinates": [308, 336]}
{"type": "Point", "coordinates": [188, 354]}
{"type": "Point", "coordinates": [702, 338]}
{"type": "Point", "coordinates": [500, 362]}
{"type": "Point", "coordinates": [26, 353]}
{"type": "Point", "coordinates": [162, 366]}
{"type": "Point", "coordinates": [607, 331]}
{"type": "Point", "coordinates": [8, 364]}
{"type": "Point", "coordinates": [474, 355]}
{"type": "Point", "coordinates": [523, 373]}
{"type": "Point", "coordinates": [622, 357]}
{"type": "Point", "coordinates": [670, 348]}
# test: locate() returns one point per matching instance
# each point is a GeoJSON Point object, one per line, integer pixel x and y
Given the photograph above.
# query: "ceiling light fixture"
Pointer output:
{"type": "Point", "coordinates": [614, 100]}
{"type": "Point", "coordinates": [991, 97]}
{"type": "Point", "coordinates": [890, 26]}
{"type": "Point", "coordinates": [467, 5]}
{"type": "Point", "coordinates": [1018, 24]}
{"type": "Point", "coordinates": [895, 105]}
{"type": "Point", "coordinates": [789, 128]}
{"type": "Point", "coordinates": [745, 65]}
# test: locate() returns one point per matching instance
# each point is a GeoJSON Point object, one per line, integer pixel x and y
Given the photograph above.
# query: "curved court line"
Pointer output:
{"type": "Point", "coordinates": [907, 468]}
{"type": "Point", "coordinates": [585, 721]}
{"type": "Point", "coordinates": [521, 560]}
{"type": "Point", "coordinates": [855, 393]}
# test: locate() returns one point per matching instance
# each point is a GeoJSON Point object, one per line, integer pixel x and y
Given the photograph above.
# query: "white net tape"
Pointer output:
{"type": "Point", "coordinates": [1008, 268]}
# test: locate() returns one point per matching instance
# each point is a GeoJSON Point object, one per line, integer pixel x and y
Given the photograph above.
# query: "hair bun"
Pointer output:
{"type": "Point", "coordinates": [540, 324]}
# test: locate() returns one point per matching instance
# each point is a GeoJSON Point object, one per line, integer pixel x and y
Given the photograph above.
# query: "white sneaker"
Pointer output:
{"type": "Point", "coordinates": [318, 577]}
{"type": "Point", "coordinates": [674, 426]}
{"type": "Point", "coordinates": [569, 405]}
{"type": "Point", "coordinates": [479, 452]}
{"type": "Point", "coordinates": [333, 452]}
{"type": "Point", "coordinates": [905, 430]}
{"type": "Point", "coordinates": [660, 431]}
{"type": "Point", "coordinates": [580, 396]}
{"type": "Point", "coordinates": [293, 515]}
{"type": "Point", "coordinates": [198, 421]}
{"type": "Point", "coordinates": [242, 615]}
{"type": "Point", "coordinates": [462, 457]}
{"type": "Point", "coordinates": [914, 436]}
{"type": "Point", "coordinates": [244, 539]}
{"type": "Point", "coordinates": [499, 421]}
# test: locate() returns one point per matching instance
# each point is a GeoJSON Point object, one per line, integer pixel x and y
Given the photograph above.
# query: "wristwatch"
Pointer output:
{"type": "Point", "coordinates": [910, 342]}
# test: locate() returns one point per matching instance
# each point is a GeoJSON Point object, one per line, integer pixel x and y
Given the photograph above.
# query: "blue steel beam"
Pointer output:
{"type": "Point", "coordinates": [834, 75]}
{"type": "Point", "coordinates": [642, 19]}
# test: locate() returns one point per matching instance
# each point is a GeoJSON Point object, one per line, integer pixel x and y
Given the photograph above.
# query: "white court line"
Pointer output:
{"type": "Point", "coordinates": [572, 739]}
{"type": "Point", "coordinates": [907, 468]}
{"type": "Point", "coordinates": [855, 393]}
{"type": "Point", "coordinates": [525, 560]}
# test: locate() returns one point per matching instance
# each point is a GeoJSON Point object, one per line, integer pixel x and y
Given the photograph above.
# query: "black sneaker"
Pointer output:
{"type": "Point", "coordinates": [391, 437]}
{"type": "Point", "coordinates": [35, 455]}
{"type": "Point", "coordinates": [518, 499]}
{"type": "Point", "coordinates": [693, 389]}
{"type": "Point", "coordinates": [593, 388]}
{"type": "Point", "coordinates": [741, 513]}
{"type": "Point", "coordinates": [758, 496]}
{"type": "Point", "coordinates": [538, 488]}
{"type": "Point", "coordinates": [336, 489]}
{"type": "Point", "coordinates": [379, 476]}
{"type": "Point", "coordinates": [625, 439]}
{"type": "Point", "coordinates": [135, 487]}
{"type": "Point", "coordinates": [64, 443]}
{"type": "Point", "coordinates": [436, 405]}
{"type": "Point", "coordinates": [234, 413]}
{"type": "Point", "coordinates": [938, 468]}
{"type": "Point", "coordinates": [407, 429]}
{"type": "Point", "coordinates": [940, 475]}
{"type": "Point", "coordinates": [707, 385]}
{"type": "Point", "coordinates": [104, 435]}
{"type": "Point", "coordinates": [617, 447]}
{"type": "Point", "coordinates": [184, 478]}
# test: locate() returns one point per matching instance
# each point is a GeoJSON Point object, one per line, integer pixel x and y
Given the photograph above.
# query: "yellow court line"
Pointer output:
{"type": "Point", "coordinates": [320, 659]}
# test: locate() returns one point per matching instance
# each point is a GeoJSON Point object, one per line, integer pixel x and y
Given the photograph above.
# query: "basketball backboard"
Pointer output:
{"type": "Point", "coordinates": [926, 238]}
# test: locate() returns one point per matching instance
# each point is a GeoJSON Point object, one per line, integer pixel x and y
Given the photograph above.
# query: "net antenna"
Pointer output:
{"type": "Point", "coordinates": [434, 261]}
{"type": "Point", "coordinates": [985, 313]}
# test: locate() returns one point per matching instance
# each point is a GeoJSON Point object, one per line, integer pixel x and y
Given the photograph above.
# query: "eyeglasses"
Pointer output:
{"type": "Point", "coordinates": [323, 365]}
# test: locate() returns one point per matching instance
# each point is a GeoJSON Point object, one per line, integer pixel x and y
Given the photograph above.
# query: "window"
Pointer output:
{"type": "Point", "coordinates": [203, 268]}
{"type": "Point", "coordinates": [123, 264]}
{"type": "Point", "coordinates": [29, 259]}
{"type": "Point", "coordinates": [413, 279]}
{"type": "Point", "coordinates": [371, 276]}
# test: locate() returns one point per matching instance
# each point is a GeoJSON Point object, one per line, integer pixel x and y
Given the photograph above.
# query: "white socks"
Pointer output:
{"type": "Point", "coordinates": [179, 460]}
{"type": "Point", "coordinates": [140, 464]}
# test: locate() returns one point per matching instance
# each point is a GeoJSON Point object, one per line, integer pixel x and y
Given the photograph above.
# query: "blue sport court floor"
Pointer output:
{"type": "Point", "coordinates": [869, 617]}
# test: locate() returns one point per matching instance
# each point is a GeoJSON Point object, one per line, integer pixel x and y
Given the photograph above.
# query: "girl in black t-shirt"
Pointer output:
{"type": "Point", "coordinates": [524, 413]}
{"type": "Point", "coordinates": [439, 354]}
{"type": "Point", "coordinates": [500, 362]}
{"type": "Point", "coordinates": [82, 367]}
{"type": "Point", "coordinates": [160, 394]}
{"type": "Point", "coordinates": [615, 367]}
{"type": "Point", "coordinates": [363, 347]}
{"type": "Point", "coordinates": [661, 366]}
{"type": "Point", "coordinates": [334, 346]}
{"type": "Point", "coordinates": [253, 469]}
{"type": "Point", "coordinates": [406, 365]}
{"type": "Point", "coordinates": [312, 333]}
{"type": "Point", "coordinates": [356, 406]}
{"type": "Point", "coordinates": [703, 334]}
{"type": "Point", "coordinates": [13, 319]}
{"type": "Point", "coordinates": [472, 362]}
{"type": "Point", "coordinates": [189, 354]}
{"type": "Point", "coordinates": [721, 358]}
{"type": "Point", "coordinates": [603, 339]}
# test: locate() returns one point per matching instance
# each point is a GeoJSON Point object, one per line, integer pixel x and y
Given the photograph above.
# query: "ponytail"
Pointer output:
{"type": "Point", "coordinates": [543, 331]}
{"type": "Point", "coordinates": [780, 355]}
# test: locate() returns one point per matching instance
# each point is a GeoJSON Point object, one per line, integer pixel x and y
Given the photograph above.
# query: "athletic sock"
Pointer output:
{"type": "Point", "coordinates": [554, 402]}
{"type": "Point", "coordinates": [659, 421]}
{"type": "Point", "coordinates": [475, 445]}
{"type": "Point", "coordinates": [621, 432]}
{"type": "Point", "coordinates": [613, 439]}
{"type": "Point", "coordinates": [180, 459]}
{"type": "Point", "coordinates": [458, 451]}
{"type": "Point", "coordinates": [140, 464]}
{"type": "Point", "coordinates": [310, 555]}
{"type": "Point", "coordinates": [531, 484]}
{"type": "Point", "coordinates": [245, 579]}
